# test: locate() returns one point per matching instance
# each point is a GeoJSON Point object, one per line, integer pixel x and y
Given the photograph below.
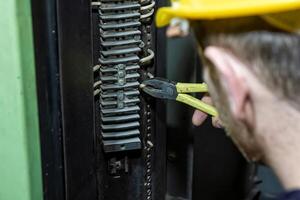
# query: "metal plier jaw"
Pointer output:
{"type": "Point", "coordinates": [166, 89]}
{"type": "Point", "coordinates": [160, 88]}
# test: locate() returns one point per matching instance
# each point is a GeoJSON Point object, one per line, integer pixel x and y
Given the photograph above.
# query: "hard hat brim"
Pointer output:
{"type": "Point", "coordinates": [235, 9]}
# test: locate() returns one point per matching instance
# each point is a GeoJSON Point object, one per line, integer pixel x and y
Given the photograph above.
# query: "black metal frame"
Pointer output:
{"type": "Point", "coordinates": [65, 97]}
{"type": "Point", "coordinates": [49, 97]}
{"type": "Point", "coordinates": [76, 75]}
{"type": "Point", "coordinates": [64, 68]}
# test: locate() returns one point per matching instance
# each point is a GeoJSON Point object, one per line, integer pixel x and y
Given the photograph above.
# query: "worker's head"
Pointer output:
{"type": "Point", "coordinates": [248, 64]}
{"type": "Point", "coordinates": [252, 67]}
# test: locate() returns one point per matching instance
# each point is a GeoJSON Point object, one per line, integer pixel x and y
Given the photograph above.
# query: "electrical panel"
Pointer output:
{"type": "Point", "coordinates": [101, 137]}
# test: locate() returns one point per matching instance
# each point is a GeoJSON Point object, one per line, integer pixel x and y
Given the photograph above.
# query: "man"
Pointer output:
{"type": "Point", "coordinates": [251, 53]}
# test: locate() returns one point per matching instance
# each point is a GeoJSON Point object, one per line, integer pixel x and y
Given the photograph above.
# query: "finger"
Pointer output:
{"type": "Point", "coordinates": [207, 99]}
{"type": "Point", "coordinates": [199, 117]}
{"type": "Point", "coordinates": [216, 122]}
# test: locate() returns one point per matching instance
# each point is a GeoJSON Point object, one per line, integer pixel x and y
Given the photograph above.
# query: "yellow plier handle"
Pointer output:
{"type": "Point", "coordinates": [192, 101]}
{"type": "Point", "coordinates": [191, 87]}
{"type": "Point", "coordinates": [196, 103]}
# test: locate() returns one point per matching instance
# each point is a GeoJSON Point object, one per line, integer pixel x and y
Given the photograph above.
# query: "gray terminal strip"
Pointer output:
{"type": "Point", "coordinates": [120, 39]}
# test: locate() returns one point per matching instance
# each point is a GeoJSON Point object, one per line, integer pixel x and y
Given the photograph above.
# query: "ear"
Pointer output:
{"type": "Point", "coordinates": [233, 80]}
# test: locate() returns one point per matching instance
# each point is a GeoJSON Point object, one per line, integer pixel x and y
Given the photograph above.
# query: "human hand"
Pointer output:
{"type": "Point", "coordinates": [199, 117]}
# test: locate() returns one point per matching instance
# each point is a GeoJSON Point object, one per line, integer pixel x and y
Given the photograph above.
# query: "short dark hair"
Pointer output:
{"type": "Point", "coordinates": [274, 55]}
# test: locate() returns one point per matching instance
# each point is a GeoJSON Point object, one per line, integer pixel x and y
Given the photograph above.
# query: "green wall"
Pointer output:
{"type": "Point", "coordinates": [20, 165]}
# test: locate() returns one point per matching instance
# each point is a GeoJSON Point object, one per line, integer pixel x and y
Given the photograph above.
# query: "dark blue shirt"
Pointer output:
{"type": "Point", "coordinates": [290, 195]}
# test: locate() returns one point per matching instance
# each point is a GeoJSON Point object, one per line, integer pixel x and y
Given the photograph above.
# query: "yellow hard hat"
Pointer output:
{"type": "Point", "coordinates": [284, 14]}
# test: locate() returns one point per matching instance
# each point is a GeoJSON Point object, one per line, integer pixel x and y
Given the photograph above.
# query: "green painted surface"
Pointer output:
{"type": "Point", "coordinates": [20, 168]}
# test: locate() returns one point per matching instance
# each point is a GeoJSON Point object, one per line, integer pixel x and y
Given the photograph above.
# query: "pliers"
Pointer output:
{"type": "Point", "coordinates": [166, 89]}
